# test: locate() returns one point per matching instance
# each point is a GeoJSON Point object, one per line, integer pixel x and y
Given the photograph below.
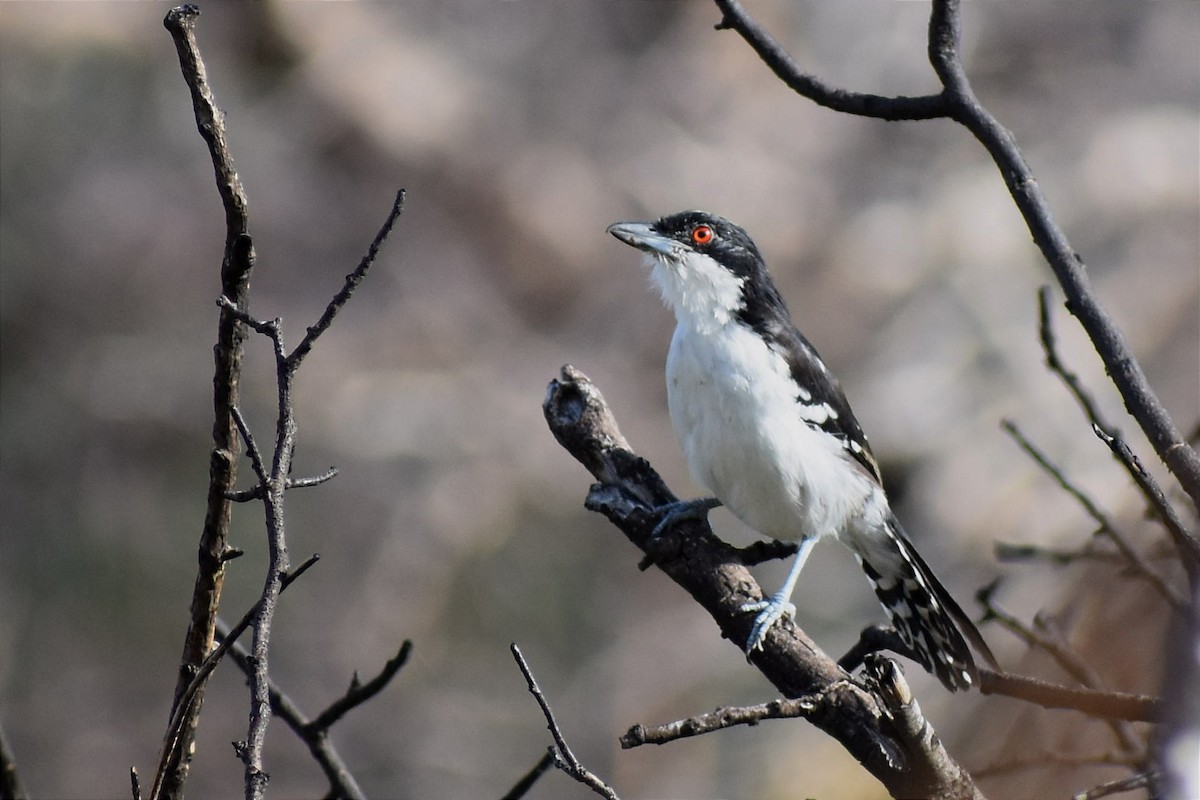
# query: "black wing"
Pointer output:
{"type": "Point", "coordinates": [819, 396]}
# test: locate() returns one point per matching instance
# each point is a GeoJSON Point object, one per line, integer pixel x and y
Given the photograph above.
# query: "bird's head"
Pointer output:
{"type": "Point", "coordinates": [705, 266]}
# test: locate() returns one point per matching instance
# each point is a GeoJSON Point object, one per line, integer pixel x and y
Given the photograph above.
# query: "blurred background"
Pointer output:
{"type": "Point", "coordinates": [521, 130]}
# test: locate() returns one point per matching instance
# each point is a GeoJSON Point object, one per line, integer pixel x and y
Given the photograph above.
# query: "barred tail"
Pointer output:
{"type": "Point", "coordinates": [924, 614]}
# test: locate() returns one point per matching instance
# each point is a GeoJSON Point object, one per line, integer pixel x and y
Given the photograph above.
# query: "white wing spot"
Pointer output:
{"type": "Point", "coordinates": [817, 414]}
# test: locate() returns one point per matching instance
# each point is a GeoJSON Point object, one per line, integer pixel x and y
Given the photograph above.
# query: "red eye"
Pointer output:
{"type": "Point", "coordinates": [702, 234]}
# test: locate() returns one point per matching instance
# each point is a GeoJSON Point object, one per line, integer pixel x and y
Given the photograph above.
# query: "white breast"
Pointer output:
{"type": "Point", "coordinates": [736, 413]}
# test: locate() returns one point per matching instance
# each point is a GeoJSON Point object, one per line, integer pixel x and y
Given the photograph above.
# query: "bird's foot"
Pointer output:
{"type": "Point", "coordinates": [681, 510]}
{"type": "Point", "coordinates": [769, 612]}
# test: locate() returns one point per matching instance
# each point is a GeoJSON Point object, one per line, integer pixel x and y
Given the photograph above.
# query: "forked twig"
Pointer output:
{"type": "Point", "coordinates": [1133, 558]}
{"type": "Point", "coordinates": [561, 753]}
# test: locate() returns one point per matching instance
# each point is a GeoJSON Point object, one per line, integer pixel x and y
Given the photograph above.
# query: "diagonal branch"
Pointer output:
{"type": "Point", "coordinates": [907, 763]}
{"type": "Point", "coordinates": [315, 732]}
{"type": "Point", "coordinates": [1132, 557]}
{"type": "Point", "coordinates": [957, 101]}
{"type": "Point", "coordinates": [176, 729]}
{"type": "Point", "coordinates": [561, 754]}
{"type": "Point", "coordinates": [352, 281]}
{"type": "Point", "coordinates": [359, 693]}
{"type": "Point", "coordinates": [1185, 541]}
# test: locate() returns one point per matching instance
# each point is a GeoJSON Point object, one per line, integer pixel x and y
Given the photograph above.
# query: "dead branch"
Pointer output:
{"type": "Point", "coordinates": [1134, 560]}
{"type": "Point", "coordinates": [728, 717]}
{"type": "Point", "coordinates": [957, 102]}
{"type": "Point", "coordinates": [1142, 780]}
{"type": "Point", "coordinates": [561, 754]}
{"type": "Point", "coordinates": [907, 762]}
{"type": "Point", "coordinates": [176, 727]}
{"type": "Point", "coordinates": [522, 787]}
{"type": "Point", "coordinates": [272, 485]}
{"type": "Point", "coordinates": [1187, 543]}
{"type": "Point", "coordinates": [1048, 639]}
{"type": "Point", "coordinates": [315, 732]}
{"type": "Point", "coordinates": [236, 265]}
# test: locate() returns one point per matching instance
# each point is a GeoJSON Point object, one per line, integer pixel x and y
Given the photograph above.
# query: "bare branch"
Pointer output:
{"type": "Point", "coordinates": [1006, 551]}
{"type": "Point", "coordinates": [734, 17]}
{"type": "Point", "coordinates": [175, 728]}
{"type": "Point", "coordinates": [315, 733]}
{"type": "Point", "coordinates": [1187, 543]}
{"type": "Point", "coordinates": [316, 480]}
{"type": "Point", "coordinates": [286, 580]}
{"type": "Point", "coordinates": [1049, 340]}
{"type": "Point", "coordinates": [873, 639]}
{"type": "Point", "coordinates": [561, 753]}
{"type": "Point", "coordinates": [258, 492]}
{"type": "Point", "coordinates": [352, 282]}
{"type": "Point", "coordinates": [236, 266]}
{"type": "Point", "coordinates": [1133, 558]}
{"type": "Point", "coordinates": [710, 571]}
{"type": "Point", "coordinates": [135, 784]}
{"type": "Point", "coordinates": [1142, 780]}
{"type": "Point", "coordinates": [765, 550]}
{"type": "Point", "coordinates": [252, 451]}
{"type": "Point", "coordinates": [1185, 540]}
{"type": "Point", "coordinates": [722, 718]}
{"type": "Point", "coordinates": [522, 787]}
{"type": "Point", "coordinates": [359, 693]}
{"type": "Point", "coordinates": [957, 101]}
{"type": "Point", "coordinates": [1048, 640]}
{"type": "Point", "coordinates": [1097, 703]}
{"type": "Point", "coordinates": [1040, 760]}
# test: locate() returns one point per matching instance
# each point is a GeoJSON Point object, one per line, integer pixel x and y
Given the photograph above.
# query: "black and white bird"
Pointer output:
{"type": "Point", "coordinates": [765, 428]}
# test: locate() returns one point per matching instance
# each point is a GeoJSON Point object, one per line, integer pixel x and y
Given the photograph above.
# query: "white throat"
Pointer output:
{"type": "Point", "coordinates": [702, 293]}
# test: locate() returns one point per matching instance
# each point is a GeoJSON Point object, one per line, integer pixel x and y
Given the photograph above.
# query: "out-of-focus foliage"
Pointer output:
{"type": "Point", "coordinates": [521, 130]}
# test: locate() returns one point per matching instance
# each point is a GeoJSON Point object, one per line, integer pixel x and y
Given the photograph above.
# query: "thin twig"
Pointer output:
{"type": "Point", "coordinates": [287, 579]}
{"type": "Point", "coordinates": [315, 732]}
{"type": "Point", "coordinates": [564, 759]}
{"type": "Point", "coordinates": [257, 492]}
{"type": "Point", "coordinates": [252, 451]}
{"type": "Point", "coordinates": [175, 729]}
{"type": "Point", "coordinates": [272, 487]}
{"type": "Point", "coordinates": [734, 17]}
{"type": "Point", "coordinates": [1187, 543]}
{"type": "Point", "coordinates": [1007, 551]}
{"type": "Point", "coordinates": [1049, 340]}
{"type": "Point", "coordinates": [721, 718]}
{"type": "Point", "coordinates": [1185, 540]}
{"type": "Point", "coordinates": [1048, 640]}
{"type": "Point", "coordinates": [1042, 760]}
{"type": "Point", "coordinates": [236, 265]}
{"type": "Point", "coordinates": [522, 787]}
{"type": "Point", "coordinates": [1133, 558]}
{"type": "Point", "coordinates": [1140, 781]}
{"type": "Point", "coordinates": [359, 693]}
{"type": "Point", "coordinates": [352, 282]}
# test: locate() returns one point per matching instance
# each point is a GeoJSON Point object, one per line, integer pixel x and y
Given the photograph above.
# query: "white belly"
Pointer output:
{"type": "Point", "coordinates": [734, 408]}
